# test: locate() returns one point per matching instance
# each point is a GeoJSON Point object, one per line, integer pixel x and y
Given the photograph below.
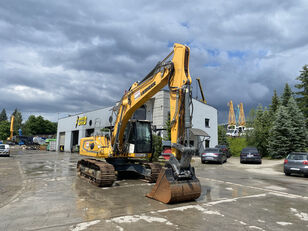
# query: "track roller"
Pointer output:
{"type": "Point", "coordinates": [100, 173]}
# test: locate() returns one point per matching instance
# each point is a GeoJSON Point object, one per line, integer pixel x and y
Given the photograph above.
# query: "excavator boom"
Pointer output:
{"type": "Point", "coordinates": [11, 128]}
{"type": "Point", "coordinates": [201, 90]}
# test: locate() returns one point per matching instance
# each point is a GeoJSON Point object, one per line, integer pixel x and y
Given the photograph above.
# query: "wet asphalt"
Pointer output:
{"type": "Point", "coordinates": [40, 191]}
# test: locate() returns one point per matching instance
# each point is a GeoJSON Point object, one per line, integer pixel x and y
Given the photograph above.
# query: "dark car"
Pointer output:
{"type": "Point", "coordinates": [250, 154]}
{"type": "Point", "coordinates": [213, 155]}
{"type": "Point", "coordinates": [225, 149]}
{"type": "Point", "coordinates": [296, 162]}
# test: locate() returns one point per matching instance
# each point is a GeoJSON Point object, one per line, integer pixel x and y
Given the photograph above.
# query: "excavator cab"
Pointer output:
{"type": "Point", "coordinates": [138, 137]}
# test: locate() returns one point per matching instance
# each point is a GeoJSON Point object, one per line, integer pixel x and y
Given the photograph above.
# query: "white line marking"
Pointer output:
{"type": "Point", "coordinates": [283, 223]}
{"type": "Point", "coordinates": [300, 215]}
{"type": "Point", "coordinates": [255, 227]}
{"type": "Point", "coordinates": [136, 218]}
{"type": "Point", "coordinates": [253, 187]}
{"type": "Point", "coordinates": [198, 207]}
{"type": "Point", "coordinates": [83, 226]}
{"type": "Point", "coordinates": [233, 199]}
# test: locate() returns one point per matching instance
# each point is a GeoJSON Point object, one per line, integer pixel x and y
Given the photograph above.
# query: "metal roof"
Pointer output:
{"type": "Point", "coordinates": [198, 132]}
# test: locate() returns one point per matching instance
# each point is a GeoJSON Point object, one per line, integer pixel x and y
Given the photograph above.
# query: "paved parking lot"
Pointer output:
{"type": "Point", "coordinates": [40, 191]}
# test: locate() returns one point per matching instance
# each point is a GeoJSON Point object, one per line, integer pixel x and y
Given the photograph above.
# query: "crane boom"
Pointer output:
{"type": "Point", "coordinates": [241, 119]}
{"type": "Point", "coordinates": [231, 119]}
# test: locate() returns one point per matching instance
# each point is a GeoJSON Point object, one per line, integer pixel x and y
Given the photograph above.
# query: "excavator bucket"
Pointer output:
{"type": "Point", "coordinates": [169, 190]}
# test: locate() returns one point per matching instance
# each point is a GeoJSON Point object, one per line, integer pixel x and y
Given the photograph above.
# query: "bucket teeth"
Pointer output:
{"type": "Point", "coordinates": [169, 190]}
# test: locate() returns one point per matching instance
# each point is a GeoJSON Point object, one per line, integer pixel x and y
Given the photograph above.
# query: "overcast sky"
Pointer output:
{"type": "Point", "coordinates": [63, 57]}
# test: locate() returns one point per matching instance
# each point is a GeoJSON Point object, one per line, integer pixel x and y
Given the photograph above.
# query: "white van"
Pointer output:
{"type": "Point", "coordinates": [4, 150]}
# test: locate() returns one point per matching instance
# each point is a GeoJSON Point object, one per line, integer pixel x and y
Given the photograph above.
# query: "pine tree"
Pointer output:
{"type": "Point", "coordinates": [262, 125]}
{"type": "Point", "coordinates": [279, 143]}
{"type": "Point", "coordinates": [4, 130]}
{"type": "Point", "coordinates": [251, 118]}
{"type": "Point", "coordinates": [3, 116]}
{"type": "Point", "coordinates": [275, 102]}
{"type": "Point", "coordinates": [287, 93]}
{"type": "Point", "coordinates": [222, 138]}
{"type": "Point", "coordinates": [168, 128]}
{"type": "Point", "coordinates": [299, 139]}
{"type": "Point", "coordinates": [302, 94]}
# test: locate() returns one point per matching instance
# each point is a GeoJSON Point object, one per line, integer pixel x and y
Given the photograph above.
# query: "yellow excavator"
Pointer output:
{"type": "Point", "coordinates": [128, 144]}
{"type": "Point", "coordinates": [11, 128]}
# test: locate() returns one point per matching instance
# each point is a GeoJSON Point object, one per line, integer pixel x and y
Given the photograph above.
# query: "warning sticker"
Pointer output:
{"type": "Point", "coordinates": [137, 95]}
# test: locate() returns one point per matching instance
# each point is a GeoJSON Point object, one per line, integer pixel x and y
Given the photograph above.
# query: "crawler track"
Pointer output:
{"type": "Point", "coordinates": [98, 172]}
{"type": "Point", "coordinates": [155, 170]}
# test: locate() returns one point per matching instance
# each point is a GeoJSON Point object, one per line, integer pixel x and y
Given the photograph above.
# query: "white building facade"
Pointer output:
{"type": "Point", "coordinates": [72, 128]}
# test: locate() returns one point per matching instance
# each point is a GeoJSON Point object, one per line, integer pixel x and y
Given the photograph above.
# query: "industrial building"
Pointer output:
{"type": "Point", "coordinates": [203, 134]}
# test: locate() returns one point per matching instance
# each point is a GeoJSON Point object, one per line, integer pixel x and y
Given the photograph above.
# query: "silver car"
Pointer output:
{"type": "Point", "coordinates": [4, 150]}
{"type": "Point", "coordinates": [296, 162]}
{"type": "Point", "coordinates": [213, 155]}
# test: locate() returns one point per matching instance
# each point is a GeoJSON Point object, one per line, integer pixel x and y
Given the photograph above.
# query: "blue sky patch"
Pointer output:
{"type": "Point", "coordinates": [213, 52]}
{"type": "Point", "coordinates": [237, 54]}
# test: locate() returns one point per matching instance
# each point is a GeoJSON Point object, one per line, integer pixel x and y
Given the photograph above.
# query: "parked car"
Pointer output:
{"type": "Point", "coordinates": [213, 155]}
{"type": "Point", "coordinates": [250, 154]}
{"type": "Point", "coordinates": [4, 150]}
{"type": "Point", "coordinates": [296, 162]}
{"type": "Point", "coordinates": [225, 149]}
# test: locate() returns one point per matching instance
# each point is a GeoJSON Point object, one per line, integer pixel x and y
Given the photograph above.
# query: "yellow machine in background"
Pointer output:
{"type": "Point", "coordinates": [231, 118]}
{"type": "Point", "coordinates": [241, 119]}
{"type": "Point", "coordinates": [129, 142]}
{"type": "Point", "coordinates": [201, 90]}
{"type": "Point", "coordinates": [11, 128]}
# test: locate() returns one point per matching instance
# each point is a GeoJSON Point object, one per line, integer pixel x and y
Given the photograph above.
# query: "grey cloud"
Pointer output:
{"type": "Point", "coordinates": [81, 55]}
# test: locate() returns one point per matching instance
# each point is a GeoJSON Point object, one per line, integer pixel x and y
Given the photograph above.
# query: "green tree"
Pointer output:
{"type": "Point", "coordinates": [168, 128]}
{"type": "Point", "coordinates": [3, 116]}
{"type": "Point", "coordinates": [157, 147]}
{"type": "Point", "coordinates": [302, 99]}
{"type": "Point", "coordinates": [299, 139]}
{"type": "Point", "coordinates": [39, 126]}
{"type": "Point", "coordinates": [222, 138]}
{"type": "Point", "coordinates": [17, 120]}
{"type": "Point", "coordinates": [4, 129]}
{"type": "Point", "coordinates": [279, 140]}
{"type": "Point", "coordinates": [287, 93]}
{"type": "Point", "coordinates": [262, 125]}
{"type": "Point", "coordinates": [251, 117]}
{"type": "Point", "coordinates": [275, 103]}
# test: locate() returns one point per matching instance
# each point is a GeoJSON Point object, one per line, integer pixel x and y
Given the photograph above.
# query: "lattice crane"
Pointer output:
{"type": "Point", "coordinates": [241, 119]}
{"type": "Point", "coordinates": [231, 119]}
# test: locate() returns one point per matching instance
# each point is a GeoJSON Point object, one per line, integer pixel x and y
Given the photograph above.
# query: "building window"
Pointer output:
{"type": "Point", "coordinates": [207, 123]}
{"type": "Point", "coordinates": [207, 144]}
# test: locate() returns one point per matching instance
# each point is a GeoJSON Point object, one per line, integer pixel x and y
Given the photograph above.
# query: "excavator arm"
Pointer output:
{"type": "Point", "coordinates": [11, 128]}
{"type": "Point", "coordinates": [173, 73]}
